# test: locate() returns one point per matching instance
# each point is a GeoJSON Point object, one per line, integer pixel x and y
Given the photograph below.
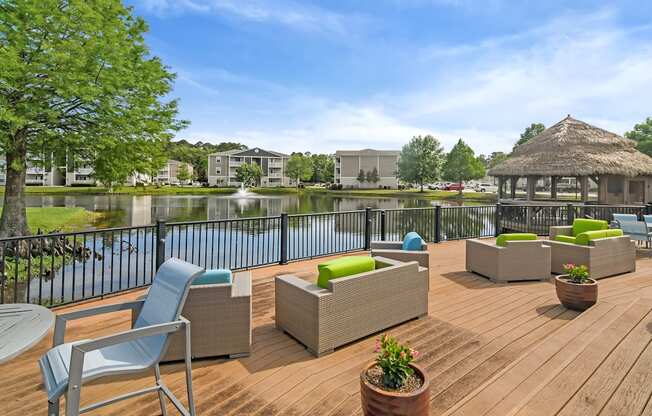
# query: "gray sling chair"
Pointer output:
{"type": "Point", "coordinates": [67, 366]}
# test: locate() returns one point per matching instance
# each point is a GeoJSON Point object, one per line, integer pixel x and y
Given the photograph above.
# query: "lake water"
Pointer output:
{"type": "Point", "coordinates": [134, 210]}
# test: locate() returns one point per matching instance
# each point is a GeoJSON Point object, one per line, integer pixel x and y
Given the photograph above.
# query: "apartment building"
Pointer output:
{"type": "Point", "coordinates": [41, 171]}
{"type": "Point", "coordinates": [349, 164]}
{"type": "Point", "coordinates": [222, 167]}
{"type": "Point", "coordinates": [167, 175]}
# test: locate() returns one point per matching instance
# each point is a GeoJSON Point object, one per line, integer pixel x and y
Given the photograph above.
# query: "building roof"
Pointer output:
{"type": "Point", "coordinates": [368, 152]}
{"type": "Point", "coordinates": [256, 151]}
{"type": "Point", "coordinates": [575, 148]}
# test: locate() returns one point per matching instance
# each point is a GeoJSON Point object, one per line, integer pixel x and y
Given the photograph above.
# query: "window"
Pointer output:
{"type": "Point", "coordinates": [218, 170]}
{"type": "Point", "coordinates": [218, 159]}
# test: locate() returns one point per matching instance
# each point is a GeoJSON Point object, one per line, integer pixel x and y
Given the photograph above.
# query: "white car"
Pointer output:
{"type": "Point", "coordinates": [485, 187]}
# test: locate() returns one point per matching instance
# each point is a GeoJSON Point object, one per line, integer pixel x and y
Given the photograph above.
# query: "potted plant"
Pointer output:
{"type": "Point", "coordinates": [575, 289]}
{"type": "Point", "coordinates": [393, 385]}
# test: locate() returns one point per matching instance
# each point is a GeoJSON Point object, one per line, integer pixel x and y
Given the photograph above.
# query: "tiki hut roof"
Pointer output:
{"type": "Point", "coordinates": [575, 148]}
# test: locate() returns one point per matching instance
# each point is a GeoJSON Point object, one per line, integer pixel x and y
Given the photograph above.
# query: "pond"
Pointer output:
{"type": "Point", "coordinates": [136, 210]}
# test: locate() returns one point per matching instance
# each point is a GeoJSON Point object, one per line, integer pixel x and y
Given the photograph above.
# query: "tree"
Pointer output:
{"type": "Point", "coordinates": [361, 177]}
{"type": "Point", "coordinates": [461, 164]}
{"type": "Point", "coordinates": [183, 173]}
{"type": "Point", "coordinates": [530, 132]}
{"type": "Point", "coordinates": [372, 176]}
{"type": "Point", "coordinates": [642, 135]}
{"type": "Point", "coordinates": [299, 168]}
{"type": "Point", "coordinates": [495, 158]}
{"type": "Point", "coordinates": [323, 168]}
{"type": "Point", "coordinates": [75, 75]}
{"type": "Point", "coordinates": [420, 160]}
{"type": "Point", "coordinates": [249, 174]}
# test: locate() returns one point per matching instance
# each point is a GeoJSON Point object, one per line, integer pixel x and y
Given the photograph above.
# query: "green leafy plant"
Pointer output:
{"type": "Point", "coordinates": [394, 359]}
{"type": "Point", "coordinates": [577, 274]}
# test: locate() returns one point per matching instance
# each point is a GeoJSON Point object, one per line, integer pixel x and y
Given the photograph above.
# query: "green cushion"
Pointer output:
{"type": "Point", "coordinates": [342, 267]}
{"type": "Point", "coordinates": [502, 239]}
{"type": "Point", "coordinates": [565, 239]}
{"type": "Point", "coordinates": [213, 277]}
{"type": "Point", "coordinates": [584, 238]}
{"type": "Point", "coordinates": [582, 225]}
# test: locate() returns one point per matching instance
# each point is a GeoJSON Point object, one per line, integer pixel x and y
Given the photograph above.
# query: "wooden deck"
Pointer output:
{"type": "Point", "coordinates": [489, 349]}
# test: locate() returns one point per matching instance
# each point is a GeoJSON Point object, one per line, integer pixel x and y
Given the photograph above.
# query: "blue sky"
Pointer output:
{"type": "Point", "coordinates": [326, 75]}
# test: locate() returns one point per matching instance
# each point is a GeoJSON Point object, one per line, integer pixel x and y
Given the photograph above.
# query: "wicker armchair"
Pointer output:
{"type": "Point", "coordinates": [394, 250]}
{"type": "Point", "coordinates": [220, 315]}
{"type": "Point", "coordinates": [518, 260]}
{"type": "Point", "coordinates": [354, 306]}
{"type": "Point", "coordinates": [604, 256]}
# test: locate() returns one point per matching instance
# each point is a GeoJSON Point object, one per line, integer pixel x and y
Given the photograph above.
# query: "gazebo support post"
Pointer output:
{"type": "Point", "coordinates": [501, 185]}
{"type": "Point", "coordinates": [531, 187]}
{"type": "Point", "coordinates": [512, 186]}
{"type": "Point", "coordinates": [553, 187]}
{"type": "Point", "coordinates": [584, 188]}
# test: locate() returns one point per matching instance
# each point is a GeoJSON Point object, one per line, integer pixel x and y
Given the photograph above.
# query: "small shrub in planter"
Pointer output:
{"type": "Point", "coordinates": [393, 385]}
{"type": "Point", "coordinates": [575, 289]}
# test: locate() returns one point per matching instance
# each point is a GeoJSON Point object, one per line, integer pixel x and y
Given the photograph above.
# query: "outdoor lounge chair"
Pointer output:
{"type": "Point", "coordinates": [621, 218]}
{"type": "Point", "coordinates": [396, 250]}
{"type": "Point", "coordinates": [68, 365]}
{"type": "Point", "coordinates": [637, 231]}
{"type": "Point", "coordinates": [509, 259]}
{"type": "Point", "coordinates": [220, 314]}
{"type": "Point", "coordinates": [605, 252]}
{"type": "Point", "coordinates": [352, 307]}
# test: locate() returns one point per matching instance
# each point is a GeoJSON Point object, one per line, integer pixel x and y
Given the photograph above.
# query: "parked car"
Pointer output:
{"type": "Point", "coordinates": [485, 187]}
{"type": "Point", "coordinates": [438, 186]}
{"type": "Point", "coordinates": [454, 187]}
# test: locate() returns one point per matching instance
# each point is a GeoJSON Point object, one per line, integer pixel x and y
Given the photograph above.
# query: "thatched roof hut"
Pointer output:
{"type": "Point", "coordinates": [573, 148]}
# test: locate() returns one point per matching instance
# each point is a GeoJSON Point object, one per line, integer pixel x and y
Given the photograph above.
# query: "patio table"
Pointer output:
{"type": "Point", "coordinates": [21, 326]}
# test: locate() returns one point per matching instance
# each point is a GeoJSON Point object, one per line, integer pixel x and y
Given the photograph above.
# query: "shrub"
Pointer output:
{"type": "Point", "coordinates": [577, 274]}
{"type": "Point", "coordinates": [394, 359]}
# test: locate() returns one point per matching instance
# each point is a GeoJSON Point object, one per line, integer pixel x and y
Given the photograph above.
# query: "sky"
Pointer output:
{"type": "Point", "coordinates": [322, 76]}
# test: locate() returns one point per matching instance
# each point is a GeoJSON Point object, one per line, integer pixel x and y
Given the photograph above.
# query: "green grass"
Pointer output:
{"type": "Point", "coordinates": [64, 219]}
{"type": "Point", "coordinates": [125, 190]}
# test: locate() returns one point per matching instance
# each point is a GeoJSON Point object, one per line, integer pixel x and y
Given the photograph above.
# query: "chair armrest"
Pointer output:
{"type": "Point", "coordinates": [304, 286]}
{"type": "Point", "coordinates": [386, 245]}
{"type": "Point", "coordinates": [61, 320]}
{"type": "Point", "coordinates": [560, 230]}
{"type": "Point", "coordinates": [241, 286]}
{"type": "Point", "coordinates": [599, 242]}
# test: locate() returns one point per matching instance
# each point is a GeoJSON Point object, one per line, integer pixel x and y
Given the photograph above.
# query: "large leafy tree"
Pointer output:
{"type": "Point", "coordinates": [420, 160]}
{"type": "Point", "coordinates": [299, 168]}
{"type": "Point", "coordinates": [183, 173]}
{"type": "Point", "coordinates": [76, 75]}
{"type": "Point", "coordinates": [249, 174]}
{"type": "Point", "coordinates": [461, 164]}
{"type": "Point", "coordinates": [642, 135]}
{"type": "Point", "coordinates": [531, 131]}
{"type": "Point", "coordinates": [323, 168]}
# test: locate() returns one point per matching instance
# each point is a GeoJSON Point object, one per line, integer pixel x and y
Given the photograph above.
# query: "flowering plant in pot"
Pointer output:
{"type": "Point", "coordinates": [393, 385]}
{"type": "Point", "coordinates": [575, 289]}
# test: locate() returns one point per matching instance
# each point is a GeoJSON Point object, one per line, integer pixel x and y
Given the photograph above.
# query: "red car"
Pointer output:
{"type": "Point", "coordinates": [455, 187]}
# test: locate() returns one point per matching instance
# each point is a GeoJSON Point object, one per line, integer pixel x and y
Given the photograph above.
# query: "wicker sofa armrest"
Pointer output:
{"type": "Point", "coordinates": [560, 230]}
{"type": "Point", "coordinates": [386, 245]}
{"type": "Point", "coordinates": [241, 286]}
{"type": "Point", "coordinates": [421, 257]}
{"type": "Point", "coordinates": [610, 241]}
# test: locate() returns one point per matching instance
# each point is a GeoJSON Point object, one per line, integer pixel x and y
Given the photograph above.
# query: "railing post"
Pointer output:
{"type": "Point", "coordinates": [284, 239]}
{"type": "Point", "coordinates": [437, 223]}
{"type": "Point", "coordinates": [648, 208]}
{"type": "Point", "coordinates": [367, 228]}
{"type": "Point", "coordinates": [383, 224]}
{"type": "Point", "coordinates": [498, 219]}
{"type": "Point", "coordinates": [160, 243]}
{"type": "Point", "coordinates": [570, 210]}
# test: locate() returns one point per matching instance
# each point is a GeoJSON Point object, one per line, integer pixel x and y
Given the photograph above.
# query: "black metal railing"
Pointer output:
{"type": "Point", "coordinates": [61, 268]}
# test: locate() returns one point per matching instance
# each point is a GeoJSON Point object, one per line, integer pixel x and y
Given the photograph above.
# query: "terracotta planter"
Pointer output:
{"type": "Point", "coordinates": [378, 402]}
{"type": "Point", "coordinates": [575, 296]}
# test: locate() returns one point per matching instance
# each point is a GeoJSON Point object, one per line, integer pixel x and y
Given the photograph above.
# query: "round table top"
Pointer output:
{"type": "Point", "coordinates": [21, 326]}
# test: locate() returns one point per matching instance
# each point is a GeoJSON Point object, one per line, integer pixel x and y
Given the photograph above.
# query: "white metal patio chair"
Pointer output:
{"type": "Point", "coordinates": [68, 365]}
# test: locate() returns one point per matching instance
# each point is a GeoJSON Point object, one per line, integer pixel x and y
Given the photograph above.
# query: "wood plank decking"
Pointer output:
{"type": "Point", "coordinates": [489, 349]}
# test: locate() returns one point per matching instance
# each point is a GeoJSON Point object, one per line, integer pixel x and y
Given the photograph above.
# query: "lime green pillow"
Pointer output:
{"type": "Point", "coordinates": [565, 239]}
{"type": "Point", "coordinates": [342, 267]}
{"type": "Point", "coordinates": [502, 239]}
{"type": "Point", "coordinates": [582, 225]}
{"type": "Point", "coordinates": [584, 238]}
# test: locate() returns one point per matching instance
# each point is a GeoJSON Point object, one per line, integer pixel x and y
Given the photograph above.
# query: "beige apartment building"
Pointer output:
{"type": "Point", "coordinates": [349, 163]}
{"type": "Point", "coordinates": [167, 175]}
{"type": "Point", "coordinates": [222, 167]}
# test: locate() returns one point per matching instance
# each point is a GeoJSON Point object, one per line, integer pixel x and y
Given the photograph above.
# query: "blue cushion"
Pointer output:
{"type": "Point", "coordinates": [412, 242]}
{"type": "Point", "coordinates": [213, 277]}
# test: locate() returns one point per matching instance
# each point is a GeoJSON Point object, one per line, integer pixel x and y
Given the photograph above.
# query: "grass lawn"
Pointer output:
{"type": "Point", "coordinates": [60, 219]}
{"type": "Point", "coordinates": [126, 190]}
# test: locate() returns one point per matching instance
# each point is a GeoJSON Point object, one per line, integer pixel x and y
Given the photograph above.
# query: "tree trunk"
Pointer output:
{"type": "Point", "coordinates": [421, 184]}
{"type": "Point", "coordinates": [14, 216]}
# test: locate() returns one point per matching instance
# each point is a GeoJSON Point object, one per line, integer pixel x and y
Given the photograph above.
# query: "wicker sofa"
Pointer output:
{"type": "Point", "coordinates": [353, 307]}
{"type": "Point", "coordinates": [603, 256]}
{"type": "Point", "coordinates": [220, 318]}
{"type": "Point", "coordinates": [394, 250]}
{"type": "Point", "coordinates": [515, 261]}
